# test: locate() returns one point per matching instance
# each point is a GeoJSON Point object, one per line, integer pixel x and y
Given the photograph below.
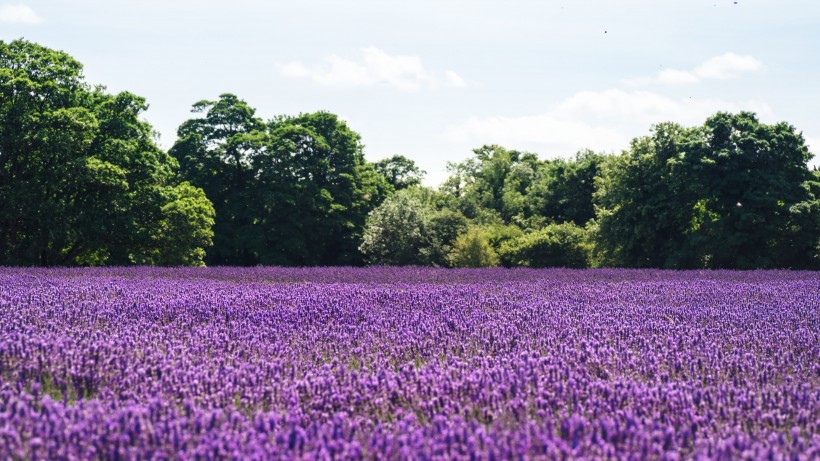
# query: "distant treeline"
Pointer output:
{"type": "Point", "coordinates": [83, 183]}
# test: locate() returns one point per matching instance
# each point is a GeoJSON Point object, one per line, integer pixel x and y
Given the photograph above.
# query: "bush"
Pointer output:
{"type": "Point", "coordinates": [404, 230]}
{"type": "Point", "coordinates": [444, 228]}
{"type": "Point", "coordinates": [472, 249]}
{"type": "Point", "coordinates": [498, 234]}
{"type": "Point", "coordinates": [556, 245]}
{"type": "Point", "coordinates": [397, 232]}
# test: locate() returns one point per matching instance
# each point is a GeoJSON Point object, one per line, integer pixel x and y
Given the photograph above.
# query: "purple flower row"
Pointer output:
{"type": "Point", "coordinates": [408, 363]}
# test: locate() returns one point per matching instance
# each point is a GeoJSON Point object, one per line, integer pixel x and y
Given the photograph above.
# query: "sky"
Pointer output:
{"type": "Point", "coordinates": [434, 79]}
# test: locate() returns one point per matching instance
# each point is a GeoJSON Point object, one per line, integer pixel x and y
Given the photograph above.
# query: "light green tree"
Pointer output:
{"type": "Point", "coordinates": [473, 249]}
{"type": "Point", "coordinates": [409, 229]}
{"type": "Point", "coordinates": [398, 232]}
{"type": "Point", "coordinates": [555, 245]}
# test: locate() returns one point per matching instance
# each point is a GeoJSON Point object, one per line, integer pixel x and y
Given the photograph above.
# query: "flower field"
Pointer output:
{"type": "Point", "coordinates": [413, 363]}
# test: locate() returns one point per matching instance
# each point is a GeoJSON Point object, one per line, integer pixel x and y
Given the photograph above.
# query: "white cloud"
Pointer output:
{"type": "Point", "coordinates": [599, 120]}
{"type": "Point", "coordinates": [676, 77]}
{"type": "Point", "coordinates": [723, 67]}
{"type": "Point", "coordinates": [453, 79]}
{"type": "Point", "coordinates": [646, 107]}
{"type": "Point", "coordinates": [535, 133]}
{"type": "Point", "coordinates": [18, 14]}
{"type": "Point", "coordinates": [406, 73]}
{"type": "Point", "coordinates": [727, 66]}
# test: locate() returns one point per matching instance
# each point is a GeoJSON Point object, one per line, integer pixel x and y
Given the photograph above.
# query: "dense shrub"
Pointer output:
{"type": "Point", "coordinates": [405, 230]}
{"type": "Point", "coordinates": [556, 245]}
{"type": "Point", "coordinates": [473, 249]}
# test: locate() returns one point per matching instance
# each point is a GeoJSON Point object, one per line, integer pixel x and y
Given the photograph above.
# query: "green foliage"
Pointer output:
{"type": "Point", "coordinates": [215, 153]}
{"type": "Point", "coordinates": [510, 187]}
{"type": "Point", "coordinates": [757, 194]}
{"type": "Point", "coordinates": [491, 185]}
{"type": "Point", "coordinates": [644, 204]}
{"type": "Point", "coordinates": [185, 227]}
{"type": "Point", "coordinates": [435, 199]}
{"type": "Point", "coordinates": [499, 234]}
{"type": "Point", "coordinates": [82, 182]}
{"type": "Point", "coordinates": [444, 228]}
{"type": "Point", "coordinates": [472, 249]}
{"type": "Point", "coordinates": [397, 232]}
{"type": "Point", "coordinates": [400, 172]}
{"type": "Point", "coordinates": [335, 188]}
{"type": "Point", "coordinates": [81, 179]}
{"type": "Point", "coordinates": [556, 245]}
{"type": "Point", "coordinates": [734, 193]}
{"type": "Point", "coordinates": [562, 190]}
{"type": "Point", "coordinates": [406, 230]}
{"type": "Point", "coordinates": [295, 191]}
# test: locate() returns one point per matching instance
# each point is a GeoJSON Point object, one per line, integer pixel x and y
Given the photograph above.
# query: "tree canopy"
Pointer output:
{"type": "Point", "coordinates": [518, 188]}
{"type": "Point", "coordinates": [81, 178]}
{"type": "Point", "coordinates": [408, 229]}
{"type": "Point", "coordinates": [83, 182]}
{"type": "Point", "coordinates": [733, 193]}
{"type": "Point", "coordinates": [291, 191]}
{"type": "Point", "coordinates": [400, 172]}
{"type": "Point", "coordinates": [555, 245]}
{"type": "Point", "coordinates": [473, 249]}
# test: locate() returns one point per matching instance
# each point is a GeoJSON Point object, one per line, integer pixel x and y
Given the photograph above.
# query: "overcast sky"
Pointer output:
{"type": "Point", "coordinates": [433, 79]}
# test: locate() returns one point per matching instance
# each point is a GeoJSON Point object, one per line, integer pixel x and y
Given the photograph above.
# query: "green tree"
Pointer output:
{"type": "Point", "coordinates": [398, 232]}
{"type": "Point", "coordinates": [756, 194]}
{"type": "Point", "coordinates": [81, 179]}
{"type": "Point", "coordinates": [498, 234]}
{"type": "Point", "coordinates": [473, 249]}
{"type": "Point", "coordinates": [563, 190]}
{"type": "Point", "coordinates": [445, 226]}
{"type": "Point", "coordinates": [408, 229]}
{"type": "Point", "coordinates": [733, 193]}
{"type": "Point", "coordinates": [517, 188]}
{"type": "Point", "coordinates": [400, 172]}
{"type": "Point", "coordinates": [491, 185]}
{"type": "Point", "coordinates": [183, 229]}
{"type": "Point", "coordinates": [556, 245]}
{"type": "Point", "coordinates": [327, 168]}
{"type": "Point", "coordinates": [216, 152]}
{"type": "Point", "coordinates": [294, 191]}
{"type": "Point", "coordinates": [644, 205]}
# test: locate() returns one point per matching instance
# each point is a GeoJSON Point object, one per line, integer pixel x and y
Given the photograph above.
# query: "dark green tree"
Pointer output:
{"type": "Point", "coordinates": [81, 179]}
{"type": "Point", "coordinates": [733, 193]}
{"type": "Point", "coordinates": [400, 172]}
{"type": "Point", "coordinates": [294, 191]}
{"type": "Point", "coordinates": [644, 205]}
{"type": "Point", "coordinates": [216, 152]}
{"type": "Point", "coordinates": [562, 190]}
{"type": "Point", "coordinates": [756, 195]}
{"type": "Point", "coordinates": [327, 168]}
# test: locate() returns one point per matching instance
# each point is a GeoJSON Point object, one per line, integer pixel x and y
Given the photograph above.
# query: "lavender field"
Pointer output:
{"type": "Point", "coordinates": [387, 363]}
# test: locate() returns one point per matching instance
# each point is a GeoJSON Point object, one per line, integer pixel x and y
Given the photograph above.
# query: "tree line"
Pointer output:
{"type": "Point", "coordinates": [83, 182]}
